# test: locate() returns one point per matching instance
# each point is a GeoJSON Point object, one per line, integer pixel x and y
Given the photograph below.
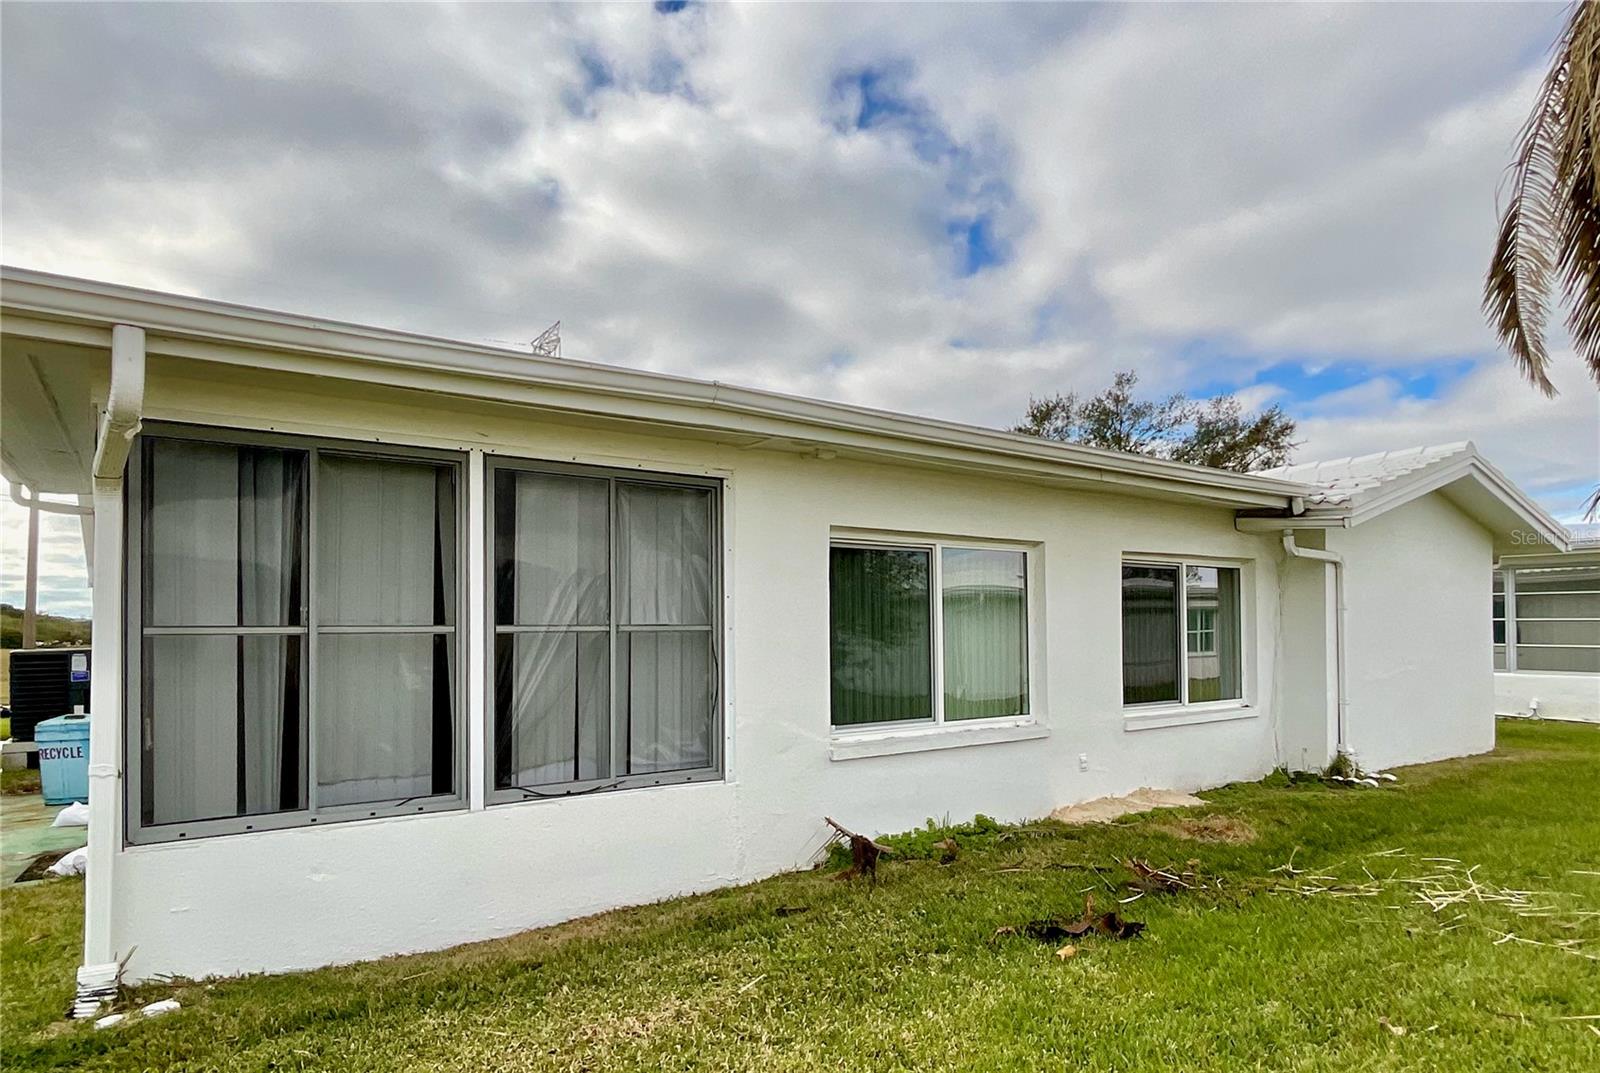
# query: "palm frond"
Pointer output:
{"type": "Point", "coordinates": [1579, 222]}
{"type": "Point", "coordinates": [1516, 293]}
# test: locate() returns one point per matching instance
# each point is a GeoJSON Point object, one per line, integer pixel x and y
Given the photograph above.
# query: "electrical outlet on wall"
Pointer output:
{"type": "Point", "coordinates": [1083, 761]}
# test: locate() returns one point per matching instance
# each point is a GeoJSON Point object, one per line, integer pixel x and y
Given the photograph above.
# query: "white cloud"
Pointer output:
{"type": "Point", "coordinates": [1549, 446]}
{"type": "Point", "coordinates": [1291, 184]}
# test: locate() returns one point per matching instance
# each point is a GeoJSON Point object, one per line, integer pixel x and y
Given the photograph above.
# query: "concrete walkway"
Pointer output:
{"type": "Point", "coordinates": [25, 832]}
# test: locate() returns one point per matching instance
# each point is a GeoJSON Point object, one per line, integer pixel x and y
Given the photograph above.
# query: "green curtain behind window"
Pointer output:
{"type": "Point", "coordinates": [881, 631]}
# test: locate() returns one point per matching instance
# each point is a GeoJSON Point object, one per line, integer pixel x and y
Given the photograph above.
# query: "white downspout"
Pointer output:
{"type": "Point", "coordinates": [1340, 693]}
{"type": "Point", "coordinates": [98, 975]}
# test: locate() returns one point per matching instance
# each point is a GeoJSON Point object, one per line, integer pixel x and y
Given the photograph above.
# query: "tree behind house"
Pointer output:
{"type": "Point", "coordinates": [1212, 432]}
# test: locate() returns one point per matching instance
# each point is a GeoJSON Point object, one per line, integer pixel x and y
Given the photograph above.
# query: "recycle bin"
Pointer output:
{"type": "Point", "coordinates": [64, 758]}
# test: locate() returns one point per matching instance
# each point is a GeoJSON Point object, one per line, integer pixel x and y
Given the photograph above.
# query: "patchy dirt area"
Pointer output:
{"type": "Point", "coordinates": [1229, 829]}
{"type": "Point", "coordinates": [1106, 809]}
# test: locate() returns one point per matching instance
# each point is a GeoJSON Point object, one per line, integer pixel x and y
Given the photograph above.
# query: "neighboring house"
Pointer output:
{"type": "Point", "coordinates": [402, 642]}
{"type": "Point", "coordinates": [1547, 628]}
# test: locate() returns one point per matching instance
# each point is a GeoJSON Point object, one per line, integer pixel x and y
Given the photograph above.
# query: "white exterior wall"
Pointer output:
{"type": "Point", "coordinates": [276, 900]}
{"type": "Point", "coordinates": [1419, 653]}
{"type": "Point", "coordinates": [1559, 696]}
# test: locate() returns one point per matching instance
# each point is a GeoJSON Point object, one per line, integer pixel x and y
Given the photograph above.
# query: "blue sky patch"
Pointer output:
{"type": "Point", "coordinates": [878, 99]}
{"type": "Point", "coordinates": [975, 244]}
{"type": "Point", "coordinates": [1304, 379]}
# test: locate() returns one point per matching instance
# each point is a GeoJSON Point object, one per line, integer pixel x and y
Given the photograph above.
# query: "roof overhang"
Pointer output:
{"type": "Point", "coordinates": [1465, 479]}
{"type": "Point", "coordinates": [45, 317]}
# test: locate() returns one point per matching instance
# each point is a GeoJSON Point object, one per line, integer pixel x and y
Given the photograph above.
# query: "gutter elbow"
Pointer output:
{"type": "Point", "coordinates": [1296, 551]}
{"type": "Point", "coordinates": [124, 403]}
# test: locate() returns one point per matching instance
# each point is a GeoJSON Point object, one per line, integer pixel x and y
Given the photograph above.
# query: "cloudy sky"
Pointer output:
{"type": "Point", "coordinates": [937, 209]}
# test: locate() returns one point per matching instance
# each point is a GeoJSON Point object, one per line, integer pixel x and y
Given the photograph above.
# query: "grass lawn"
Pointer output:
{"type": "Point", "coordinates": [803, 972]}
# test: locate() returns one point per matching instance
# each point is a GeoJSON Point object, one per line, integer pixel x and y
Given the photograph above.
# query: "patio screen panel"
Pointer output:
{"type": "Point", "coordinates": [1552, 617]}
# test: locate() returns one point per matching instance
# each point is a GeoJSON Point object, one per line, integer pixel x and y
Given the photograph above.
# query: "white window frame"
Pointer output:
{"type": "Point", "coordinates": [1159, 713]}
{"type": "Point", "coordinates": [937, 723]}
{"type": "Point", "coordinates": [135, 831]}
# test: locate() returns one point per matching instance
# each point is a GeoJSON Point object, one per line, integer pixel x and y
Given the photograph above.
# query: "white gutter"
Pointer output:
{"type": "Point", "coordinates": [23, 496]}
{"type": "Point", "coordinates": [100, 970]}
{"type": "Point", "coordinates": [124, 404]}
{"type": "Point", "coordinates": [38, 304]}
{"type": "Point", "coordinates": [1337, 563]}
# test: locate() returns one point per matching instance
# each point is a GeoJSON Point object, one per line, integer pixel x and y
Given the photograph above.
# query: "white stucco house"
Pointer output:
{"type": "Point", "coordinates": [1547, 628]}
{"type": "Point", "coordinates": [401, 642]}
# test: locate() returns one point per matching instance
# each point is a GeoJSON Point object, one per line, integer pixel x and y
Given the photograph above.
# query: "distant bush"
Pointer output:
{"type": "Point", "coordinates": [51, 629]}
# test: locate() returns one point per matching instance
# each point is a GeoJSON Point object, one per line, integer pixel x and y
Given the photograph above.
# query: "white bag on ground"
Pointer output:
{"type": "Point", "coordinates": [75, 863]}
{"type": "Point", "coordinates": [74, 815]}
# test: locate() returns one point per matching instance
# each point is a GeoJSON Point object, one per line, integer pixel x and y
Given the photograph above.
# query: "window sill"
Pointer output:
{"type": "Point", "coordinates": [1177, 715]}
{"type": "Point", "coordinates": [855, 745]}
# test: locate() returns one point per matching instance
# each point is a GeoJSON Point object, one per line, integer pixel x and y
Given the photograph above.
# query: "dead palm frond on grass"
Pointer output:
{"type": "Point", "coordinates": [1550, 227]}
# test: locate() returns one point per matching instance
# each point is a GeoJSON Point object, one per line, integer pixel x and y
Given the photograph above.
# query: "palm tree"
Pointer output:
{"type": "Point", "coordinates": [1550, 230]}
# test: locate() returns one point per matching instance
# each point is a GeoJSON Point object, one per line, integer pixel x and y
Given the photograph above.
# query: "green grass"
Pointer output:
{"type": "Point", "coordinates": [909, 975]}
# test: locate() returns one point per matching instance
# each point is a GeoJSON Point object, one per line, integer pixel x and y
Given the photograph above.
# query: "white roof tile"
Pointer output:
{"type": "Point", "coordinates": [1341, 481]}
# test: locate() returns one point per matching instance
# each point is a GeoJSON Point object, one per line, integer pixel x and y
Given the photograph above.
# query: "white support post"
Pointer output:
{"type": "Point", "coordinates": [97, 977]}
{"type": "Point", "coordinates": [476, 627]}
{"type": "Point", "coordinates": [30, 598]}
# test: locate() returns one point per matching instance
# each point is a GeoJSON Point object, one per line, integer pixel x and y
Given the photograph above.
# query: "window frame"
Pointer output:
{"type": "Point", "coordinates": [135, 831]}
{"type": "Point", "coordinates": [1512, 620]}
{"type": "Point", "coordinates": [1156, 708]}
{"type": "Point", "coordinates": [935, 547]}
{"type": "Point", "coordinates": [716, 771]}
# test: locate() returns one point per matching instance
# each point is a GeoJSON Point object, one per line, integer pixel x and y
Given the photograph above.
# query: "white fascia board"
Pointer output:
{"type": "Point", "coordinates": [220, 332]}
{"type": "Point", "coordinates": [1577, 555]}
{"type": "Point", "coordinates": [1308, 520]}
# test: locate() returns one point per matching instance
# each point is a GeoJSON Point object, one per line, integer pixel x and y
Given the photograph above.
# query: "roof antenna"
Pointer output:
{"type": "Point", "coordinates": [547, 344]}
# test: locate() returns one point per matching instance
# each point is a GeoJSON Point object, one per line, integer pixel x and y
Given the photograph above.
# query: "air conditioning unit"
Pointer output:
{"type": "Point", "coordinates": [45, 683]}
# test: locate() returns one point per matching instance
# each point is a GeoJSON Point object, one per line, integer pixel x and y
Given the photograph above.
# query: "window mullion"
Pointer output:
{"type": "Point", "coordinates": [612, 617]}
{"type": "Point", "coordinates": [936, 629]}
{"type": "Point", "coordinates": [1511, 619]}
{"type": "Point", "coordinates": [1183, 633]}
{"type": "Point", "coordinates": [313, 638]}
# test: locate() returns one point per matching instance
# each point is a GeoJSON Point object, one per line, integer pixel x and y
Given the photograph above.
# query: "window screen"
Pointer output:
{"type": "Point", "coordinates": [271, 688]}
{"type": "Point", "coordinates": [606, 617]}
